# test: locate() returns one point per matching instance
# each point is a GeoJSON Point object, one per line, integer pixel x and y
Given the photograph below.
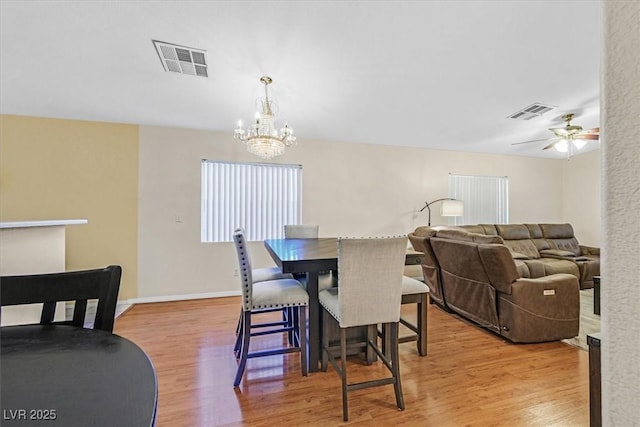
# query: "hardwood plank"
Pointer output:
{"type": "Point", "coordinates": [470, 377]}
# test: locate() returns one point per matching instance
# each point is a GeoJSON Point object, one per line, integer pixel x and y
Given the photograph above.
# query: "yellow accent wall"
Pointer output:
{"type": "Point", "coordinates": [65, 169]}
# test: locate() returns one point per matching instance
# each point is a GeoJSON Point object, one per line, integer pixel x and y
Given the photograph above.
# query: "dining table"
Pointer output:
{"type": "Point", "coordinates": [60, 375]}
{"type": "Point", "coordinates": [311, 257]}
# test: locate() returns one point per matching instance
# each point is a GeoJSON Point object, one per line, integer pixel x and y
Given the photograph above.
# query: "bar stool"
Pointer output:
{"type": "Point", "coordinates": [369, 293]}
{"type": "Point", "coordinates": [268, 296]}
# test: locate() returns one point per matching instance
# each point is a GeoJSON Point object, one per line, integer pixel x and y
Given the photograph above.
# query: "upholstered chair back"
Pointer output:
{"type": "Point", "coordinates": [370, 280]}
{"type": "Point", "coordinates": [301, 231]}
{"type": "Point", "coordinates": [244, 264]}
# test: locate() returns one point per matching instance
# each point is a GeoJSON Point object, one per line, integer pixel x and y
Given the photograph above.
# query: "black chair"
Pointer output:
{"type": "Point", "coordinates": [102, 284]}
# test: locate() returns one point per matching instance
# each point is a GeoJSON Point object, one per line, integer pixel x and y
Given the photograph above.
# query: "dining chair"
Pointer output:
{"type": "Point", "coordinates": [369, 293]}
{"type": "Point", "coordinates": [413, 292]}
{"type": "Point", "coordinates": [265, 273]}
{"type": "Point", "coordinates": [301, 231]}
{"type": "Point", "coordinates": [266, 297]}
{"type": "Point", "coordinates": [102, 284]}
{"type": "Point", "coordinates": [262, 275]}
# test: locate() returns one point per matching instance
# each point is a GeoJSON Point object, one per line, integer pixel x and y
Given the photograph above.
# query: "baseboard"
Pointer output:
{"type": "Point", "coordinates": [184, 297]}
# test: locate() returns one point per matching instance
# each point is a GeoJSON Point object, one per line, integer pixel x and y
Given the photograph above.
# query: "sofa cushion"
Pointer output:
{"type": "Point", "coordinates": [524, 247]}
{"type": "Point", "coordinates": [424, 232]}
{"type": "Point", "coordinates": [567, 245]}
{"type": "Point", "coordinates": [518, 255]}
{"type": "Point", "coordinates": [516, 238]}
{"type": "Point", "coordinates": [557, 252]}
{"type": "Point", "coordinates": [499, 266]}
{"type": "Point", "coordinates": [560, 236]}
{"type": "Point", "coordinates": [555, 265]}
{"type": "Point", "coordinates": [537, 237]}
{"type": "Point", "coordinates": [489, 229]}
{"type": "Point", "coordinates": [557, 231]}
{"type": "Point", "coordinates": [536, 268]}
{"type": "Point", "coordinates": [513, 231]}
{"type": "Point", "coordinates": [455, 234]}
{"type": "Point", "coordinates": [466, 236]}
{"type": "Point", "coordinates": [535, 232]}
{"type": "Point", "coordinates": [523, 269]}
{"type": "Point", "coordinates": [481, 238]}
{"type": "Point", "coordinates": [472, 228]}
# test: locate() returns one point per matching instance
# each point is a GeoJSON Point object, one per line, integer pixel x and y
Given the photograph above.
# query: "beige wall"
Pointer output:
{"type": "Point", "coordinates": [63, 169]}
{"type": "Point", "coordinates": [349, 189]}
{"type": "Point", "coordinates": [581, 197]}
{"type": "Point", "coordinates": [54, 169]}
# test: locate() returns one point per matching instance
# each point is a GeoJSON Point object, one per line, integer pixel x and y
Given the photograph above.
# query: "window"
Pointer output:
{"type": "Point", "coordinates": [486, 198]}
{"type": "Point", "coordinates": [261, 198]}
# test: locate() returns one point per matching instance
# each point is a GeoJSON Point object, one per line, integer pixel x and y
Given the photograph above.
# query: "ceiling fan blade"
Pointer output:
{"type": "Point", "coordinates": [551, 145]}
{"type": "Point", "coordinates": [527, 142]}
{"type": "Point", "coordinates": [594, 130]}
{"type": "Point", "coordinates": [588, 136]}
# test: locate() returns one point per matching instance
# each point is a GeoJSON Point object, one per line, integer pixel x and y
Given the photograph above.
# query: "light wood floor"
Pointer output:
{"type": "Point", "coordinates": [469, 377]}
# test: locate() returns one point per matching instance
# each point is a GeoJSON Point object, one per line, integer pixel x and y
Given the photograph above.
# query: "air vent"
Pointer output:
{"type": "Point", "coordinates": [181, 59]}
{"type": "Point", "coordinates": [533, 110]}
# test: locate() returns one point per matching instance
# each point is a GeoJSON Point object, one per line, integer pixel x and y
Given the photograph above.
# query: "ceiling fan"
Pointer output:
{"type": "Point", "coordinates": [568, 137]}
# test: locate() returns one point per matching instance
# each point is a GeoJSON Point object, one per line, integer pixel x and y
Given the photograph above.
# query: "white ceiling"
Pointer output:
{"type": "Point", "coordinates": [438, 74]}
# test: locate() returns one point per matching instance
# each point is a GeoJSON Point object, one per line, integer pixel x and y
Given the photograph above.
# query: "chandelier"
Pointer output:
{"type": "Point", "coordinates": [262, 139]}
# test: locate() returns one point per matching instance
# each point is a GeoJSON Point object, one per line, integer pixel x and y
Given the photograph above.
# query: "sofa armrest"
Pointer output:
{"type": "Point", "coordinates": [556, 287]}
{"type": "Point", "coordinates": [589, 250]}
{"type": "Point", "coordinates": [544, 309]}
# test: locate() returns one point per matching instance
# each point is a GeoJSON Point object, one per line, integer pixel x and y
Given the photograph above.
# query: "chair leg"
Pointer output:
{"type": "Point", "coordinates": [302, 338]}
{"type": "Point", "coordinates": [239, 322]}
{"type": "Point", "coordinates": [325, 341]}
{"type": "Point", "coordinates": [386, 342]}
{"type": "Point", "coordinates": [395, 366]}
{"type": "Point", "coordinates": [343, 372]}
{"type": "Point", "coordinates": [422, 325]}
{"type": "Point", "coordinates": [244, 352]}
{"type": "Point", "coordinates": [240, 332]}
{"type": "Point", "coordinates": [288, 317]}
{"type": "Point", "coordinates": [295, 326]}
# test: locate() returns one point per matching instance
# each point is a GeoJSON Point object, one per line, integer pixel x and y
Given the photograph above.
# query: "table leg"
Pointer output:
{"type": "Point", "coordinates": [314, 321]}
{"type": "Point", "coordinates": [596, 295]}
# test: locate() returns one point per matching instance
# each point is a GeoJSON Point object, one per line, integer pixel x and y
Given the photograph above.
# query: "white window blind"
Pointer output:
{"type": "Point", "coordinates": [261, 198]}
{"type": "Point", "coordinates": [486, 199]}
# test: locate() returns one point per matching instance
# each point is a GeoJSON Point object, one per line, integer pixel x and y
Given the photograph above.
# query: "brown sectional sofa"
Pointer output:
{"type": "Point", "coordinates": [497, 276]}
{"type": "Point", "coordinates": [539, 248]}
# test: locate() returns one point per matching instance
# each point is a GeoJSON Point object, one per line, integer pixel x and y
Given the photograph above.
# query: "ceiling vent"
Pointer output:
{"type": "Point", "coordinates": [533, 110]}
{"type": "Point", "coordinates": [181, 59]}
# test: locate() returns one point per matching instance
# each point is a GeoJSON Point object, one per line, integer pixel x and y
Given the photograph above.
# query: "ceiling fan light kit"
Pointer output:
{"type": "Point", "coordinates": [569, 137]}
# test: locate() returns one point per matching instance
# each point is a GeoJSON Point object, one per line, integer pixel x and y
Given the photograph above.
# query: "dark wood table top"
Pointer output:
{"type": "Point", "coordinates": [304, 255]}
{"type": "Point", "coordinates": [69, 376]}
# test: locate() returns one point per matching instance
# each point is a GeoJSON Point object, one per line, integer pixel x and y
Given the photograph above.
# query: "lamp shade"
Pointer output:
{"type": "Point", "coordinates": [452, 208]}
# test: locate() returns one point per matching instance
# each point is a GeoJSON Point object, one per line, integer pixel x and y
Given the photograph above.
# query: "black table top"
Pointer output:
{"type": "Point", "coordinates": [68, 376]}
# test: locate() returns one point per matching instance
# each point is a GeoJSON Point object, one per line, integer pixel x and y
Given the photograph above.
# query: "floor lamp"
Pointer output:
{"type": "Point", "coordinates": [449, 207]}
